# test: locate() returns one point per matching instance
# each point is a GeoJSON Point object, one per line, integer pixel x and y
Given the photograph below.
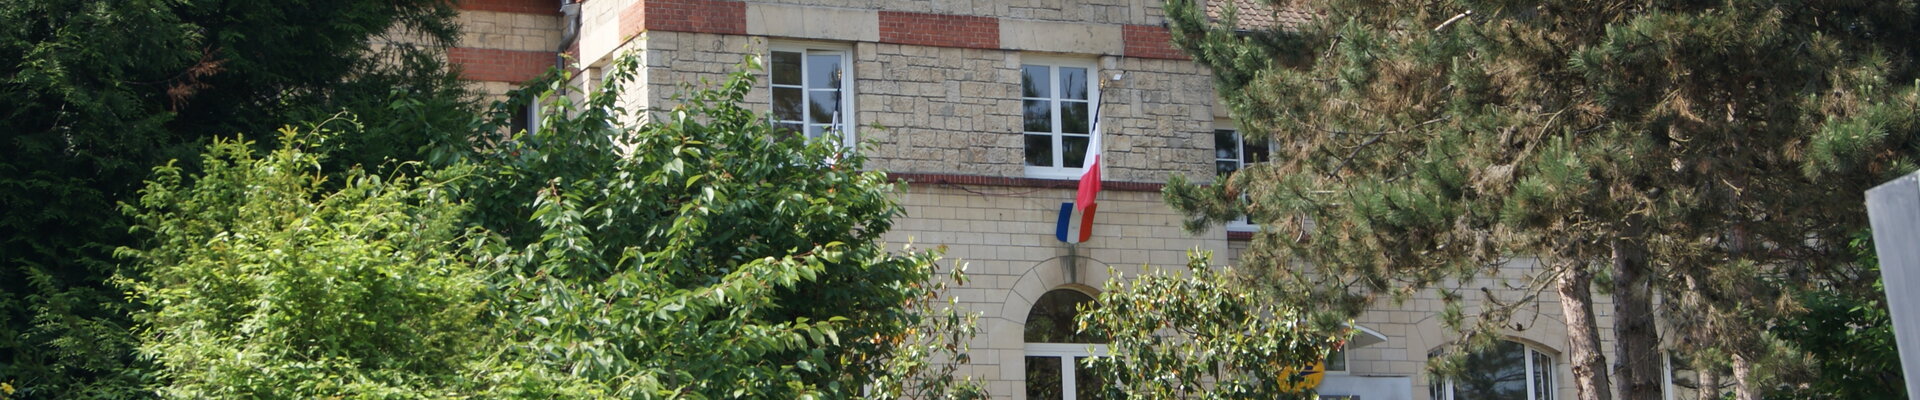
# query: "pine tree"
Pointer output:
{"type": "Point", "coordinates": [1711, 152]}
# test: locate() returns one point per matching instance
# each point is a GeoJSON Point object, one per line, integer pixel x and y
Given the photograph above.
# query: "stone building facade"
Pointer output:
{"type": "Point", "coordinates": [977, 105]}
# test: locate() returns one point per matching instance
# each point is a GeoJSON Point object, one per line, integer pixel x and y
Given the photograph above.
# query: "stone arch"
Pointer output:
{"type": "Point", "coordinates": [1006, 333]}
{"type": "Point", "coordinates": [1546, 331]}
{"type": "Point", "coordinates": [1045, 276]}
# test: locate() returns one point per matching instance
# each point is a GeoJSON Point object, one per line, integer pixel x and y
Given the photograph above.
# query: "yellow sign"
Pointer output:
{"type": "Point", "coordinates": [1306, 379]}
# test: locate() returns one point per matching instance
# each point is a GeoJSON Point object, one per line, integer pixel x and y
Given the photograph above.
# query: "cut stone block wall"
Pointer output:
{"type": "Point", "coordinates": [1087, 27]}
{"type": "Point", "coordinates": [948, 108]}
{"type": "Point", "coordinates": [503, 43]}
{"type": "Point", "coordinates": [1095, 11]}
{"type": "Point", "coordinates": [1004, 236]}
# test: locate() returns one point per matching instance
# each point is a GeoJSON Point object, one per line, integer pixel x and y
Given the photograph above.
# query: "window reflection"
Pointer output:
{"type": "Point", "coordinates": [1056, 101]}
{"type": "Point", "coordinates": [1073, 83]}
{"type": "Point", "coordinates": [1036, 81]}
{"type": "Point", "coordinates": [807, 92]}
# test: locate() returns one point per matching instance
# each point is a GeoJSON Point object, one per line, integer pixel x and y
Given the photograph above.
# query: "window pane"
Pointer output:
{"type": "Point", "coordinates": [1073, 151]}
{"type": "Point", "coordinates": [1073, 117]}
{"type": "Point", "coordinates": [787, 130]}
{"type": "Point", "coordinates": [1040, 151]}
{"type": "Point", "coordinates": [814, 131]}
{"type": "Point", "coordinates": [1226, 146]}
{"type": "Point", "coordinates": [825, 104]}
{"type": "Point", "coordinates": [1256, 152]}
{"type": "Point", "coordinates": [786, 68]}
{"type": "Point", "coordinates": [1051, 320]}
{"type": "Point", "coordinates": [521, 121]}
{"type": "Point", "coordinates": [1542, 376]}
{"type": "Point", "coordinates": [786, 104]}
{"type": "Point", "coordinates": [1038, 115]}
{"type": "Point", "coordinates": [1043, 378]}
{"type": "Point", "coordinates": [1073, 83]}
{"type": "Point", "coordinates": [1087, 385]}
{"type": "Point", "coordinates": [1034, 81]}
{"type": "Point", "coordinates": [1336, 360]}
{"type": "Point", "coordinates": [823, 71]}
{"type": "Point", "coordinates": [1225, 167]}
{"type": "Point", "coordinates": [1499, 373]}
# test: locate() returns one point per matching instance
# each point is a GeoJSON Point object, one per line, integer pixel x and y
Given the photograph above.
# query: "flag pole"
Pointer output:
{"type": "Point", "coordinates": [1072, 263]}
{"type": "Point", "coordinates": [1070, 210]}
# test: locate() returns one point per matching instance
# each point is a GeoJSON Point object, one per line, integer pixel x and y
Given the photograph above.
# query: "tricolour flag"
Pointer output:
{"type": "Point", "coordinates": [1076, 217]}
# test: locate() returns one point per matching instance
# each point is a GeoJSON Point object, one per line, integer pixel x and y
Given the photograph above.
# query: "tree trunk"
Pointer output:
{"type": "Point", "coordinates": [1583, 336]}
{"type": "Point", "coordinates": [1637, 376]}
{"type": "Point", "coordinates": [1709, 383]}
{"type": "Point", "coordinates": [1744, 388]}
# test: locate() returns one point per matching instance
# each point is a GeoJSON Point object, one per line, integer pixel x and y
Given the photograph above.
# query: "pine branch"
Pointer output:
{"type": "Point", "coordinates": [1376, 137]}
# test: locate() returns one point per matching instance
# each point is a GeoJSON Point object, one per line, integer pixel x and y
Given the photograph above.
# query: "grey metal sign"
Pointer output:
{"type": "Point", "coordinates": [1894, 208]}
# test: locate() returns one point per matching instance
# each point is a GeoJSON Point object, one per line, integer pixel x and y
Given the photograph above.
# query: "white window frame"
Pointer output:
{"type": "Point", "coordinates": [1666, 376]}
{"type": "Point", "coordinates": [846, 124]}
{"type": "Point", "coordinates": [1346, 363]}
{"type": "Point", "coordinates": [1362, 337]}
{"type": "Point", "coordinates": [1059, 170]}
{"type": "Point", "coordinates": [1446, 392]}
{"type": "Point", "coordinates": [1242, 224]}
{"type": "Point", "coordinates": [1065, 353]}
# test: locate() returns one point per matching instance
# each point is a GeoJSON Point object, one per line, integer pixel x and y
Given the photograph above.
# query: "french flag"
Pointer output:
{"type": "Point", "coordinates": [1076, 217]}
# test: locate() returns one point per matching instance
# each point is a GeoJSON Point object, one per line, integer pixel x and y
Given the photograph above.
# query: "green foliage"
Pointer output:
{"type": "Point", "coordinates": [699, 255]}
{"type": "Point", "coordinates": [1849, 337]}
{"type": "Point", "coordinates": [1714, 153]}
{"type": "Point", "coordinates": [1206, 334]}
{"type": "Point", "coordinates": [94, 93]}
{"type": "Point", "coordinates": [260, 282]}
{"type": "Point", "coordinates": [696, 257]}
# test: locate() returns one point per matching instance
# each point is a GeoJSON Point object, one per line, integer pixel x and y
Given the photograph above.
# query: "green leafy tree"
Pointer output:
{"type": "Point", "coordinates": [94, 93]}
{"type": "Point", "coordinates": [697, 252]}
{"type": "Point", "coordinates": [1681, 148]}
{"type": "Point", "coordinates": [266, 280]}
{"type": "Point", "coordinates": [1204, 334]}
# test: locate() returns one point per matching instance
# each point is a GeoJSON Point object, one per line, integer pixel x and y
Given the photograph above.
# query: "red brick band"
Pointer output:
{"type": "Point", "coordinates": [700, 16]}
{"type": "Point", "coordinates": [957, 179]}
{"type": "Point", "coordinates": [729, 17]}
{"type": "Point", "coordinates": [542, 7]}
{"type": "Point", "coordinates": [490, 65]}
{"type": "Point", "coordinates": [1149, 41]}
{"type": "Point", "coordinates": [940, 30]}
{"type": "Point", "coordinates": [633, 20]}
